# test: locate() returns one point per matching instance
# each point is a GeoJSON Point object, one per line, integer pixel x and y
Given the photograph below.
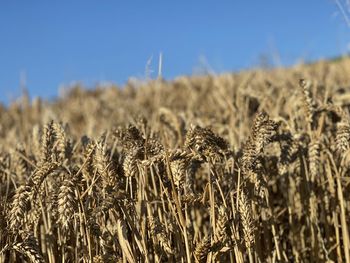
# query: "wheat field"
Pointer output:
{"type": "Point", "coordinates": [241, 167]}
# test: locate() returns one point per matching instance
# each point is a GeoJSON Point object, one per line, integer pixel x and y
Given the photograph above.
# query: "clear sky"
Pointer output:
{"type": "Point", "coordinates": [53, 43]}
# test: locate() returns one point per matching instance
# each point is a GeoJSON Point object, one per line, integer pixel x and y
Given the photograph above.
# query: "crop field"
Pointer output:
{"type": "Point", "coordinates": [241, 167]}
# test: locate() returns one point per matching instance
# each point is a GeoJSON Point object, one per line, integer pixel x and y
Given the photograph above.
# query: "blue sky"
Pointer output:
{"type": "Point", "coordinates": [57, 43]}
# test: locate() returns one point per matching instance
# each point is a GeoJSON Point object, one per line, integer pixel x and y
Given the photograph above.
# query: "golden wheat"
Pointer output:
{"type": "Point", "coordinates": [245, 167]}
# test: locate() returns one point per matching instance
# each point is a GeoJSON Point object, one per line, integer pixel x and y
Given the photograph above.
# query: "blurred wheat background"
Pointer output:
{"type": "Point", "coordinates": [248, 167]}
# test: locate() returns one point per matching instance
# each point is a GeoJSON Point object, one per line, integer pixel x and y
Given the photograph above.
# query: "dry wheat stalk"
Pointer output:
{"type": "Point", "coordinates": [130, 164]}
{"type": "Point", "coordinates": [220, 234]}
{"type": "Point", "coordinates": [178, 171]}
{"type": "Point", "coordinates": [61, 141]}
{"type": "Point", "coordinates": [308, 103]}
{"type": "Point", "coordinates": [248, 226]}
{"type": "Point", "coordinates": [29, 248]}
{"type": "Point", "coordinates": [342, 139]}
{"type": "Point", "coordinates": [41, 173]}
{"type": "Point", "coordinates": [262, 131]}
{"type": "Point", "coordinates": [67, 204]}
{"type": "Point", "coordinates": [89, 152]}
{"type": "Point", "coordinates": [159, 234]}
{"type": "Point", "coordinates": [204, 142]}
{"type": "Point", "coordinates": [20, 206]}
{"type": "Point", "coordinates": [202, 250]}
{"type": "Point", "coordinates": [46, 143]}
{"type": "Point", "coordinates": [314, 158]}
{"type": "Point", "coordinates": [104, 166]}
{"type": "Point", "coordinates": [123, 241]}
